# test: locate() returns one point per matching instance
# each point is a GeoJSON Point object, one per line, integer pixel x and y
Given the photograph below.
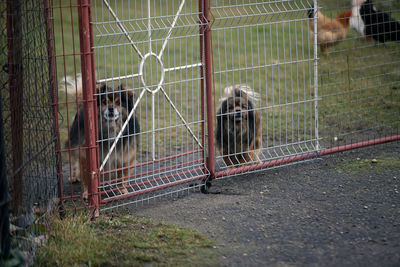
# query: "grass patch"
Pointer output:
{"type": "Point", "coordinates": [122, 241]}
{"type": "Point", "coordinates": [371, 164]}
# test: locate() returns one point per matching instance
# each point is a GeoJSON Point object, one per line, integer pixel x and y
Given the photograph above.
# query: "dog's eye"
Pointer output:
{"type": "Point", "coordinates": [117, 102]}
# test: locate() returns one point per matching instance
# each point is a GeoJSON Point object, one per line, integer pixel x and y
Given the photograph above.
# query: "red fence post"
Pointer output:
{"type": "Point", "coordinates": [205, 46]}
{"type": "Point", "coordinates": [53, 90]}
{"type": "Point", "coordinates": [15, 71]}
{"type": "Point", "coordinates": [90, 107]}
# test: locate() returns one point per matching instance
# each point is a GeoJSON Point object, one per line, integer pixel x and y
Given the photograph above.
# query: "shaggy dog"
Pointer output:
{"type": "Point", "coordinates": [238, 133]}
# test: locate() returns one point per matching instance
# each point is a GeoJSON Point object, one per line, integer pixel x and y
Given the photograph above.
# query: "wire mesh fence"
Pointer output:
{"type": "Point", "coordinates": [156, 74]}
{"type": "Point", "coordinates": [359, 77]}
{"type": "Point", "coordinates": [150, 100]}
{"type": "Point", "coordinates": [270, 49]}
{"type": "Point", "coordinates": [28, 119]}
{"type": "Point", "coordinates": [264, 50]}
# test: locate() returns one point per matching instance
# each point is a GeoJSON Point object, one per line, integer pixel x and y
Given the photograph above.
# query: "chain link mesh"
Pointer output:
{"type": "Point", "coordinates": [34, 193]}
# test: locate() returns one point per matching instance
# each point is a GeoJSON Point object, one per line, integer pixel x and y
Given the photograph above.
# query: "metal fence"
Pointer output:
{"type": "Point", "coordinates": [266, 49]}
{"type": "Point", "coordinates": [149, 94]}
{"type": "Point", "coordinates": [359, 78]}
{"type": "Point", "coordinates": [179, 92]}
{"type": "Point", "coordinates": [27, 96]}
{"type": "Point", "coordinates": [155, 47]}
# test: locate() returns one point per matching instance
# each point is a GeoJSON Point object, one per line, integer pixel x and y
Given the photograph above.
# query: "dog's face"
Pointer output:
{"type": "Point", "coordinates": [237, 110]}
{"type": "Point", "coordinates": [236, 118]}
{"type": "Point", "coordinates": [114, 107]}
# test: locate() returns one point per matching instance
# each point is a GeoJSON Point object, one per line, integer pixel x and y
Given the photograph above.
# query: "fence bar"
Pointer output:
{"type": "Point", "coordinates": [359, 145]}
{"type": "Point", "coordinates": [202, 89]}
{"type": "Point", "coordinates": [316, 71]}
{"type": "Point", "coordinates": [267, 164]}
{"type": "Point", "coordinates": [90, 107]}
{"type": "Point", "coordinates": [148, 190]}
{"type": "Point", "coordinates": [14, 38]}
{"type": "Point", "coordinates": [53, 91]}
{"type": "Point", "coordinates": [207, 74]}
{"type": "Point", "coordinates": [291, 159]}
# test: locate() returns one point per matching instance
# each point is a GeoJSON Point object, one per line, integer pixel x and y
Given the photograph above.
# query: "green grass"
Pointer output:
{"type": "Point", "coordinates": [358, 82]}
{"type": "Point", "coordinates": [381, 163]}
{"type": "Point", "coordinates": [123, 241]}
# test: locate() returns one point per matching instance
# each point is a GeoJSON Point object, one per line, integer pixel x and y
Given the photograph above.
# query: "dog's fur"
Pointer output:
{"type": "Point", "coordinates": [238, 133]}
{"type": "Point", "coordinates": [114, 107]}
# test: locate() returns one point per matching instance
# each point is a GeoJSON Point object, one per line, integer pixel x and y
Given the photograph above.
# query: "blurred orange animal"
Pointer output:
{"type": "Point", "coordinates": [330, 31]}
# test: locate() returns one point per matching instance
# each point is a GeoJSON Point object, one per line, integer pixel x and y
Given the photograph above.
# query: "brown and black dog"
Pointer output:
{"type": "Point", "coordinates": [114, 106]}
{"type": "Point", "coordinates": [238, 133]}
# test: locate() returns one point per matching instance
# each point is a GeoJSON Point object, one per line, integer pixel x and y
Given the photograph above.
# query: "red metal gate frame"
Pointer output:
{"type": "Point", "coordinates": [205, 46]}
{"type": "Point", "coordinates": [14, 44]}
{"type": "Point", "coordinates": [89, 102]}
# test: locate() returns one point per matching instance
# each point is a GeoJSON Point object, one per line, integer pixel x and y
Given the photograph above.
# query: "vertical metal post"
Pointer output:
{"type": "Point", "coordinates": [205, 45]}
{"type": "Point", "coordinates": [14, 39]}
{"type": "Point", "coordinates": [316, 73]}
{"type": "Point", "coordinates": [53, 91]}
{"type": "Point", "coordinates": [89, 89]}
{"type": "Point", "coordinates": [202, 87]}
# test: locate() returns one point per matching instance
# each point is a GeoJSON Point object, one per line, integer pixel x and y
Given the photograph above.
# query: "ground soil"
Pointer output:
{"type": "Point", "coordinates": [339, 210]}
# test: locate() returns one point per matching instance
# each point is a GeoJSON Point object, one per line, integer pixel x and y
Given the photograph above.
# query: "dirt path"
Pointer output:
{"type": "Point", "coordinates": [341, 210]}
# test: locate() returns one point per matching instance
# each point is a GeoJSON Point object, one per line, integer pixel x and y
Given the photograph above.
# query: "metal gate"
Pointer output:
{"type": "Point", "coordinates": [178, 91]}
{"type": "Point", "coordinates": [149, 67]}
{"type": "Point", "coordinates": [151, 82]}
{"type": "Point", "coordinates": [266, 50]}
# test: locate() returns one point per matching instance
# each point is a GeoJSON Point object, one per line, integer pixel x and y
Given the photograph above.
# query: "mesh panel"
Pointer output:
{"type": "Point", "coordinates": [359, 79]}
{"type": "Point", "coordinates": [28, 115]}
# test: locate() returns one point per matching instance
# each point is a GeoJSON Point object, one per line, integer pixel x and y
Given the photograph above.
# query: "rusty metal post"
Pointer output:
{"type": "Point", "coordinates": [15, 71]}
{"type": "Point", "coordinates": [205, 46]}
{"type": "Point", "coordinates": [202, 85]}
{"type": "Point", "coordinates": [89, 89]}
{"type": "Point", "coordinates": [53, 90]}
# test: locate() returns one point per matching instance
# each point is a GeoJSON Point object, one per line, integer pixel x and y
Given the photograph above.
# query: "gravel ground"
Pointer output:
{"type": "Point", "coordinates": [339, 210]}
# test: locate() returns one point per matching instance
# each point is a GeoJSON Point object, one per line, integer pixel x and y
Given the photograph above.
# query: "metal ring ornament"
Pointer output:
{"type": "Point", "coordinates": [142, 76]}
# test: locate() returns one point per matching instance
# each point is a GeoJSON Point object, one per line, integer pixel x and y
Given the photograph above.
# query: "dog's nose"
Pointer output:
{"type": "Point", "coordinates": [111, 109]}
{"type": "Point", "coordinates": [238, 115]}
